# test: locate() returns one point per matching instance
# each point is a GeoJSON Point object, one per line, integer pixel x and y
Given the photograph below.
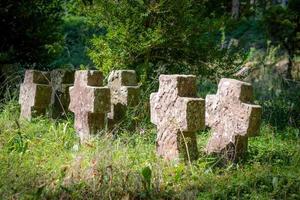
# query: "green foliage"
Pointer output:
{"type": "Point", "coordinates": [30, 30]}
{"type": "Point", "coordinates": [147, 175]}
{"type": "Point", "coordinates": [277, 95]}
{"type": "Point", "coordinates": [294, 6]}
{"type": "Point", "coordinates": [279, 100]}
{"type": "Point", "coordinates": [152, 36]}
{"type": "Point", "coordinates": [283, 26]}
{"type": "Point", "coordinates": [54, 165]}
{"type": "Point", "coordinates": [77, 33]}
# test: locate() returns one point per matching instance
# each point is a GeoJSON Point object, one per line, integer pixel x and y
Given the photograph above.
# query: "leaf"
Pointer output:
{"type": "Point", "coordinates": [147, 175]}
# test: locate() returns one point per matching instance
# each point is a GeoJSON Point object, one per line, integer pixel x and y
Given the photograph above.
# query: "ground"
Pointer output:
{"type": "Point", "coordinates": [43, 159]}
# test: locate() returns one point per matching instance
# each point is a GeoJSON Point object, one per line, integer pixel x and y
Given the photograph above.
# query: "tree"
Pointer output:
{"type": "Point", "coordinates": [157, 35]}
{"type": "Point", "coordinates": [235, 11]}
{"type": "Point", "coordinates": [283, 26]}
{"type": "Point", "coordinates": [30, 30]}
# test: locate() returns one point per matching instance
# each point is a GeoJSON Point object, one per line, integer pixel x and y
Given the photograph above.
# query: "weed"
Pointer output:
{"type": "Point", "coordinates": [44, 160]}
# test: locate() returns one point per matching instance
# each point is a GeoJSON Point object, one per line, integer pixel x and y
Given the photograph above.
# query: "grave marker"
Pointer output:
{"type": "Point", "coordinates": [233, 118]}
{"type": "Point", "coordinates": [124, 91]}
{"type": "Point", "coordinates": [90, 101]}
{"type": "Point", "coordinates": [35, 94]}
{"type": "Point", "coordinates": [178, 113]}
{"type": "Point", "coordinates": [61, 81]}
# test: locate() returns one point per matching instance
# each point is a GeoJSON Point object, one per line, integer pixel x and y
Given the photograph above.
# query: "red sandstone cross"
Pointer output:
{"type": "Point", "coordinates": [178, 113]}
{"type": "Point", "coordinates": [89, 102]}
{"type": "Point", "coordinates": [232, 117]}
{"type": "Point", "coordinates": [35, 94]}
{"type": "Point", "coordinates": [124, 91]}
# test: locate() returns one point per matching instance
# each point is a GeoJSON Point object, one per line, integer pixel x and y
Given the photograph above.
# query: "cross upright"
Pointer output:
{"type": "Point", "coordinates": [232, 117]}
{"type": "Point", "coordinates": [61, 81]}
{"type": "Point", "coordinates": [177, 113]}
{"type": "Point", "coordinates": [89, 102]}
{"type": "Point", "coordinates": [124, 91]}
{"type": "Point", "coordinates": [35, 94]}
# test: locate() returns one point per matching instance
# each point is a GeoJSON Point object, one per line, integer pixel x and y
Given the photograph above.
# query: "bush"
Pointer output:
{"type": "Point", "coordinates": [158, 37]}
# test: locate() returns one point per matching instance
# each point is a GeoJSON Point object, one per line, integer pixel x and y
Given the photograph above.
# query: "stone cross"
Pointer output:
{"type": "Point", "coordinates": [89, 102]}
{"type": "Point", "coordinates": [124, 91]}
{"type": "Point", "coordinates": [35, 94]}
{"type": "Point", "coordinates": [177, 113]}
{"type": "Point", "coordinates": [232, 117]}
{"type": "Point", "coordinates": [61, 81]}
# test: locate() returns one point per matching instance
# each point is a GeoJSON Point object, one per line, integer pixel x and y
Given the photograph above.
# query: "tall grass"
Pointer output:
{"type": "Point", "coordinates": [43, 159]}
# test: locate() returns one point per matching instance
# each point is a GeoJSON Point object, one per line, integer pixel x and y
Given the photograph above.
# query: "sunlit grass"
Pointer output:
{"type": "Point", "coordinates": [44, 159]}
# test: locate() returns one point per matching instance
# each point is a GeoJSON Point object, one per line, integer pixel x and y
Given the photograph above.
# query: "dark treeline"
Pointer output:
{"type": "Point", "coordinates": [208, 38]}
{"type": "Point", "coordinates": [186, 36]}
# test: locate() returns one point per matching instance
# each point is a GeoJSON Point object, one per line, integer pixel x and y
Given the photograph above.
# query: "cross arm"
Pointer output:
{"type": "Point", "coordinates": [190, 113]}
{"type": "Point", "coordinates": [126, 95]}
{"type": "Point", "coordinates": [153, 104]}
{"type": "Point", "coordinates": [254, 113]}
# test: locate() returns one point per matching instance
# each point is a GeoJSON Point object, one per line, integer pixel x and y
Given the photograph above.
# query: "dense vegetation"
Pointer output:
{"type": "Point", "coordinates": [256, 41]}
{"type": "Point", "coordinates": [43, 159]}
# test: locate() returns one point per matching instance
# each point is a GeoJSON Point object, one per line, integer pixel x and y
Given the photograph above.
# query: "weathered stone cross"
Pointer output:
{"type": "Point", "coordinates": [232, 117]}
{"type": "Point", "coordinates": [61, 81]}
{"type": "Point", "coordinates": [89, 102]}
{"type": "Point", "coordinates": [35, 94]}
{"type": "Point", "coordinates": [178, 113]}
{"type": "Point", "coordinates": [124, 92]}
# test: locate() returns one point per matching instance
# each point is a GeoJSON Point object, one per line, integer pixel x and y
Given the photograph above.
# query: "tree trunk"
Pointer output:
{"type": "Point", "coordinates": [235, 9]}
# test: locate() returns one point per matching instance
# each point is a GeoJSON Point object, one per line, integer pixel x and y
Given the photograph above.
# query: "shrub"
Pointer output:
{"type": "Point", "coordinates": [158, 36]}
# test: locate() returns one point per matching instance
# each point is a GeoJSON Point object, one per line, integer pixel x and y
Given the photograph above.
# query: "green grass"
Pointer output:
{"type": "Point", "coordinates": [43, 159]}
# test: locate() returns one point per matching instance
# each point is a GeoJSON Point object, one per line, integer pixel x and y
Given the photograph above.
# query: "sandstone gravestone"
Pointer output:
{"type": "Point", "coordinates": [124, 92]}
{"type": "Point", "coordinates": [232, 117]}
{"type": "Point", "coordinates": [35, 94]}
{"type": "Point", "coordinates": [177, 113]}
{"type": "Point", "coordinates": [89, 102]}
{"type": "Point", "coordinates": [61, 81]}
